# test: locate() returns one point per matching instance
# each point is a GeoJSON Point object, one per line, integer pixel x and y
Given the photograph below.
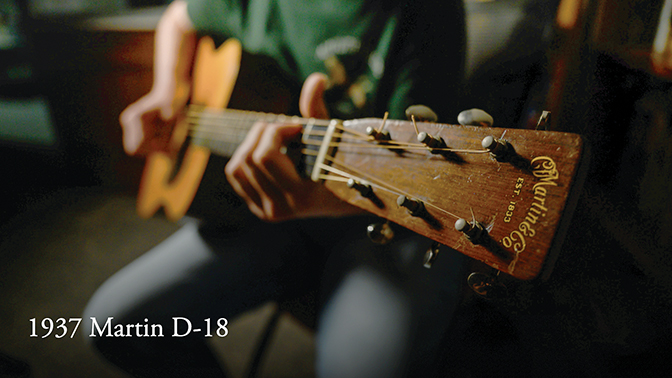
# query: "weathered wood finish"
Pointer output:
{"type": "Point", "coordinates": [477, 184]}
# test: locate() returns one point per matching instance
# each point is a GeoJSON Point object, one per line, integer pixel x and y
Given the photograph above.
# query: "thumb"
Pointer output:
{"type": "Point", "coordinates": [311, 101]}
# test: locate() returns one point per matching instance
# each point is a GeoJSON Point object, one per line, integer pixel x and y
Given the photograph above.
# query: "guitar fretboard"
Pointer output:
{"type": "Point", "coordinates": [222, 131]}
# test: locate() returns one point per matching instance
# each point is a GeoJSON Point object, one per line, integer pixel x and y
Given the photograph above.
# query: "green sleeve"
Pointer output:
{"type": "Point", "coordinates": [219, 18]}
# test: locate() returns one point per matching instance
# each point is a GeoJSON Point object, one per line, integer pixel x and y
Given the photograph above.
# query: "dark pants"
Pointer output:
{"type": "Point", "coordinates": [381, 312]}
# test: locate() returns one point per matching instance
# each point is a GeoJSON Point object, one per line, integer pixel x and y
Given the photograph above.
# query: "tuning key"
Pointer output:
{"type": "Point", "coordinates": [500, 149]}
{"type": "Point", "coordinates": [381, 136]}
{"type": "Point", "coordinates": [415, 207]}
{"type": "Point", "coordinates": [475, 232]}
{"type": "Point", "coordinates": [363, 188]}
{"type": "Point", "coordinates": [421, 113]}
{"type": "Point", "coordinates": [475, 117]}
{"type": "Point", "coordinates": [435, 144]}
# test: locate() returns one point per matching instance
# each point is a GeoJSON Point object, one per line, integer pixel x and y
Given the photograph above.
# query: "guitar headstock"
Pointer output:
{"type": "Point", "coordinates": [501, 196]}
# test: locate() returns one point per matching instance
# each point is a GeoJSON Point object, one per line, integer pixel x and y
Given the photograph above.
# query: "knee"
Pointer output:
{"type": "Point", "coordinates": [365, 329]}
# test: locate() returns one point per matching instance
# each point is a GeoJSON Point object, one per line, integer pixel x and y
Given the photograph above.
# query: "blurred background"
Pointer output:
{"type": "Point", "coordinates": [67, 217]}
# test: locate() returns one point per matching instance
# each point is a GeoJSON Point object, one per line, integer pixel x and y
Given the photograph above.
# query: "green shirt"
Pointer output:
{"type": "Point", "coordinates": [392, 56]}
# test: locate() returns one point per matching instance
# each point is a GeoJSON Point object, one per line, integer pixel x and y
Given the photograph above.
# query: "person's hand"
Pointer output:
{"type": "Point", "coordinates": [148, 123]}
{"type": "Point", "coordinates": [267, 179]}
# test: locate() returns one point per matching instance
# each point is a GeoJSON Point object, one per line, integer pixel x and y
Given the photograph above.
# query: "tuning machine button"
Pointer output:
{"type": "Point", "coordinates": [380, 136]}
{"type": "Point", "coordinates": [421, 113]}
{"type": "Point", "coordinates": [475, 117]}
{"type": "Point", "coordinates": [380, 233]}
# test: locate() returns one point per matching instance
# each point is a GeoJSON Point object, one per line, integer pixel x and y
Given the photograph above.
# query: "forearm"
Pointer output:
{"type": "Point", "coordinates": [174, 49]}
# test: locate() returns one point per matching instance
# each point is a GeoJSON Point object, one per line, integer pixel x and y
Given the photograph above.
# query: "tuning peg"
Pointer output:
{"type": "Point", "coordinates": [380, 233]}
{"type": "Point", "coordinates": [475, 232]}
{"type": "Point", "coordinates": [500, 149]}
{"type": "Point", "coordinates": [475, 117]}
{"type": "Point", "coordinates": [487, 286]}
{"type": "Point", "coordinates": [415, 207]}
{"type": "Point", "coordinates": [421, 113]}
{"type": "Point", "coordinates": [363, 188]}
{"type": "Point", "coordinates": [380, 136]}
{"type": "Point", "coordinates": [504, 152]}
{"type": "Point", "coordinates": [435, 144]}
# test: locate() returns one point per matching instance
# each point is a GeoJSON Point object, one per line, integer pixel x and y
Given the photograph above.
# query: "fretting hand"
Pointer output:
{"type": "Point", "coordinates": [267, 179]}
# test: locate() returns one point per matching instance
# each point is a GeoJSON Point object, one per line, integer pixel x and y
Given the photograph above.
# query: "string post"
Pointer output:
{"type": "Point", "coordinates": [435, 144]}
{"type": "Point", "coordinates": [500, 149]}
{"type": "Point", "coordinates": [415, 207]}
{"type": "Point", "coordinates": [421, 113]}
{"type": "Point", "coordinates": [544, 120]}
{"type": "Point", "coordinates": [380, 136]}
{"type": "Point", "coordinates": [475, 231]}
{"type": "Point", "coordinates": [363, 188]}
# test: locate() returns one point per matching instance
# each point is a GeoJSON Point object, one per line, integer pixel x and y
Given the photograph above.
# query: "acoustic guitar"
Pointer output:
{"type": "Point", "coordinates": [501, 196]}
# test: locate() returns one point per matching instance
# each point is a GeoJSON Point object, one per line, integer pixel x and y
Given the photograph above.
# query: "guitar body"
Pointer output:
{"type": "Point", "coordinates": [214, 79]}
{"type": "Point", "coordinates": [193, 181]}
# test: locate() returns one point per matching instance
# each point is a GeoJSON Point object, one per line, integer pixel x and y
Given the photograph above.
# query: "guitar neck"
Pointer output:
{"type": "Point", "coordinates": [223, 130]}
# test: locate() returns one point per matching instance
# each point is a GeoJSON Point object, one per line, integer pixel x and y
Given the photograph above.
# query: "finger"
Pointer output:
{"type": "Point", "coordinates": [262, 197]}
{"type": "Point", "coordinates": [246, 147]}
{"type": "Point", "coordinates": [235, 169]}
{"type": "Point", "coordinates": [131, 128]}
{"type": "Point", "coordinates": [249, 178]}
{"type": "Point", "coordinates": [279, 168]}
{"type": "Point", "coordinates": [272, 199]}
{"type": "Point", "coordinates": [241, 185]}
{"type": "Point", "coordinates": [311, 100]}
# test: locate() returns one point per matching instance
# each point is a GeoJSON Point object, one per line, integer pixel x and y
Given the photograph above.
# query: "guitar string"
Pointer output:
{"type": "Point", "coordinates": [196, 122]}
{"type": "Point", "coordinates": [214, 127]}
{"type": "Point", "coordinates": [377, 183]}
{"type": "Point", "coordinates": [225, 135]}
{"type": "Point", "coordinates": [381, 184]}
